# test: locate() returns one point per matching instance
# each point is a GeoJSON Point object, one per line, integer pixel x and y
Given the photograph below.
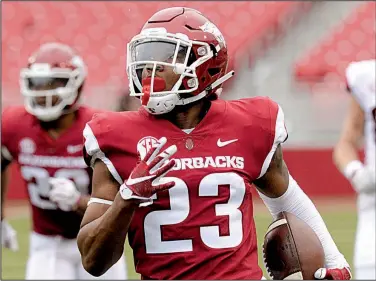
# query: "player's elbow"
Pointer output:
{"type": "Point", "coordinates": [97, 266]}
{"type": "Point", "coordinates": [95, 262]}
{"type": "Point", "coordinates": [90, 261]}
{"type": "Point", "coordinates": [94, 268]}
{"type": "Point", "coordinates": [96, 257]}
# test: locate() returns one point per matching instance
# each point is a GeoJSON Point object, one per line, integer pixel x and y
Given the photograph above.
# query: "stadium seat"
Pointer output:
{"type": "Point", "coordinates": [100, 30]}
{"type": "Point", "coordinates": [354, 39]}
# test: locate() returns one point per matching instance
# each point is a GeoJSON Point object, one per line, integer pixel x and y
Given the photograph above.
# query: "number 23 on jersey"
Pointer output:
{"type": "Point", "coordinates": [180, 209]}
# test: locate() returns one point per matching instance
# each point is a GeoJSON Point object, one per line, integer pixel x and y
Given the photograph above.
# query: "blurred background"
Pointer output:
{"type": "Point", "coordinates": [294, 52]}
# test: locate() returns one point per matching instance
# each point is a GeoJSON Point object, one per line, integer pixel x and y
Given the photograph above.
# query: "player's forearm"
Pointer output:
{"type": "Point", "coordinates": [344, 153]}
{"type": "Point", "coordinates": [295, 201]}
{"type": "Point", "coordinates": [101, 242]}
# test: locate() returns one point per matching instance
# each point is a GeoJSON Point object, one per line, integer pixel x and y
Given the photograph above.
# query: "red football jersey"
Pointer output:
{"type": "Point", "coordinates": [203, 227]}
{"type": "Point", "coordinates": [39, 157]}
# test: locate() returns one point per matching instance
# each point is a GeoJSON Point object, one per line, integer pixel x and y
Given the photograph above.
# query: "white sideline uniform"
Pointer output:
{"type": "Point", "coordinates": [54, 257]}
{"type": "Point", "coordinates": [361, 80]}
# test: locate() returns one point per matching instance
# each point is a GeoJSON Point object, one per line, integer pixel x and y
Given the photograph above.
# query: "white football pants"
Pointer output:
{"type": "Point", "coordinates": [364, 252]}
{"type": "Point", "coordinates": [59, 258]}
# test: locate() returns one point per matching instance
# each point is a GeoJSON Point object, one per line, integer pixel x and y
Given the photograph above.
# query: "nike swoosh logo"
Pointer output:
{"type": "Point", "coordinates": [131, 181]}
{"type": "Point", "coordinates": [224, 143]}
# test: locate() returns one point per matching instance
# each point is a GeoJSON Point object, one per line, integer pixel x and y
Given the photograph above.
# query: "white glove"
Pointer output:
{"type": "Point", "coordinates": [64, 193]}
{"type": "Point", "coordinates": [8, 236]}
{"type": "Point", "coordinates": [363, 180]}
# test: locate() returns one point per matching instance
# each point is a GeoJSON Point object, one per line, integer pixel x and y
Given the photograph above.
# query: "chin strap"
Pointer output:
{"type": "Point", "coordinates": [221, 80]}
{"type": "Point", "coordinates": [209, 88]}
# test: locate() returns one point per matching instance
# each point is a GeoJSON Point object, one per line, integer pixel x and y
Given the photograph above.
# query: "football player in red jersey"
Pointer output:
{"type": "Point", "coordinates": [197, 223]}
{"type": "Point", "coordinates": [45, 138]}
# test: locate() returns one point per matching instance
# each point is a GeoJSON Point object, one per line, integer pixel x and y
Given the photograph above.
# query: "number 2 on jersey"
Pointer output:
{"type": "Point", "coordinates": [39, 188]}
{"type": "Point", "coordinates": [179, 211]}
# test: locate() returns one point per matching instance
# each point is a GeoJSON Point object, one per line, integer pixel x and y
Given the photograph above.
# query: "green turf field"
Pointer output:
{"type": "Point", "coordinates": [341, 222]}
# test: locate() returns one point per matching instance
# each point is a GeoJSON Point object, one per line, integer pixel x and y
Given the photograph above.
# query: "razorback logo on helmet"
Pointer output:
{"type": "Point", "coordinates": [145, 144]}
{"type": "Point", "coordinates": [211, 28]}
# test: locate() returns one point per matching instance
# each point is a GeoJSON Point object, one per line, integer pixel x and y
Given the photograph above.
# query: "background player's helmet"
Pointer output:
{"type": "Point", "coordinates": [52, 82]}
{"type": "Point", "coordinates": [186, 41]}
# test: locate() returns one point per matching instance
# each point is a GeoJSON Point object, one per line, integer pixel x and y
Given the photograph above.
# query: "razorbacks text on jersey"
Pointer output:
{"type": "Point", "coordinates": [203, 227]}
{"type": "Point", "coordinates": [39, 157]}
{"type": "Point", "coordinates": [361, 81]}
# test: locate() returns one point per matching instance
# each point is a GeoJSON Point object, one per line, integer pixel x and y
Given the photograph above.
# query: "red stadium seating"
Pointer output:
{"type": "Point", "coordinates": [100, 30]}
{"type": "Point", "coordinates": [353, 40]}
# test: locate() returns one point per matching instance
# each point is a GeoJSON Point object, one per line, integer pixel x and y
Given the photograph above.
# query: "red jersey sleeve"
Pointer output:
{"type": "Point", "coordinates": [272, 131]}
{"type": "Point", "coordinates": [99, 143]}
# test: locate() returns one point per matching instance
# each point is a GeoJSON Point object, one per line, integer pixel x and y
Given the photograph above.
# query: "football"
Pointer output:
{"type": "Point", "coordinates": [291, 249]}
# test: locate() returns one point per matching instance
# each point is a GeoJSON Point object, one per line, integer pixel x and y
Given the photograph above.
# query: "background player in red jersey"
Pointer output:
{"type": "Point", "coordinates": [198, 222]}
{"type": "Point", "coordinates": [45, 138]}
